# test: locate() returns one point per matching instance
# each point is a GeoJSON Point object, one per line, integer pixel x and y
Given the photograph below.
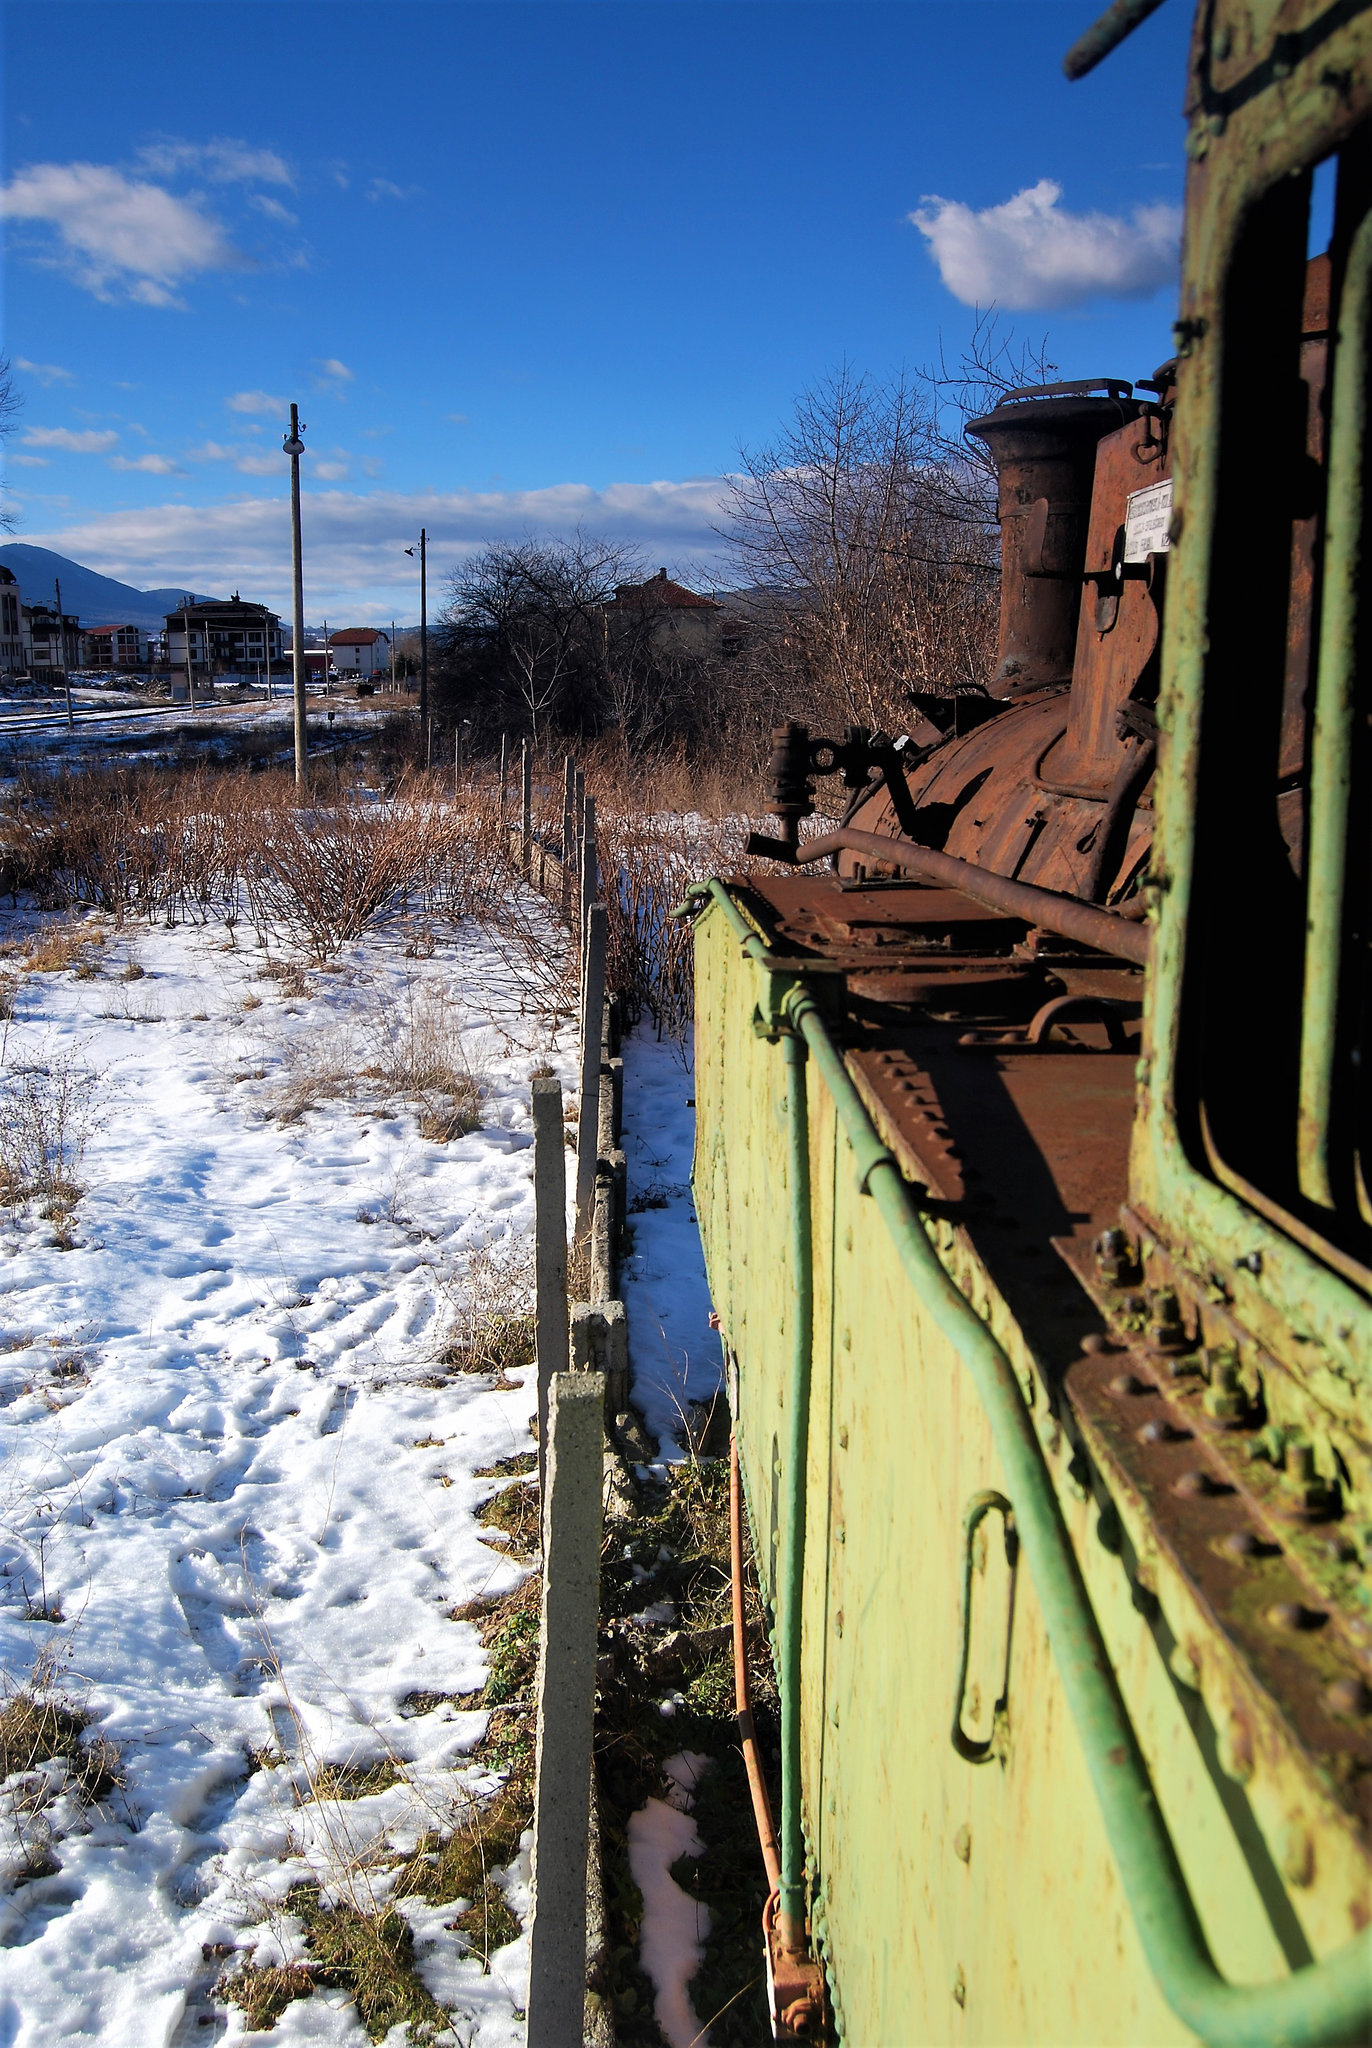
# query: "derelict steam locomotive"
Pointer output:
{"type": "Point", "coordinates": [1034, 1168]}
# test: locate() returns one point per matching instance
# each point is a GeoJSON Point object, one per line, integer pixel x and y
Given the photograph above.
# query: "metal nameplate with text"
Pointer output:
{"type": "Point", "coordinates": [1146, 522]}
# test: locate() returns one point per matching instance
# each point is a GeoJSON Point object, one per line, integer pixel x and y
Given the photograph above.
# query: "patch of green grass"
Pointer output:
{"type": "Point", "coordinates": [462, 1866]}
{"type": "Point", "coordinates": [517, 1467]}
{"type": "Point", "coordinates": [368, 1955]}
{"type": "Point", "coordinates": [509, 1629]}
{"type": "Point", "coordinates": [517, 1511]}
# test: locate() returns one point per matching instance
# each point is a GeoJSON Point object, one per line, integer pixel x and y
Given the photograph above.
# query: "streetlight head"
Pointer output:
{"type": "Point", "coordinates": [409, 551]}
{"type": "Point", "coordinates": [293, 445]}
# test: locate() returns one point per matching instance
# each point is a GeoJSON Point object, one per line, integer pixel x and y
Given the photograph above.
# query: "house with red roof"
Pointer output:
{"type": "Point", "coordinates": [360, 651]}
{"type": "Point", "coordinates": [120, 646]}
{"type": "Point", "coordinates": [676, 620]}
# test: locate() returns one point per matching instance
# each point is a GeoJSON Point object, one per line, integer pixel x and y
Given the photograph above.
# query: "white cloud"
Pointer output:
{"type": "Point", "coordinates": [222, 160]}
{"type": "Point", "coordinates": [332, 370]}
{"type": "Point", "coordinates": [46, 373]}
{"type": "Point", "coordinates": [354, 563]}
{"type": "Point", "coordinates": [382, 188]}
{"type": "Point", "coordinates": [118, 234]}
{"type": "Point", "coordinates": [257, 402]}
{"type": "Point", "coordinates": [155, 465]}
{"type": "Point", "coordinates": [211, 451]}
{"type": "Point", "coordinates": [30, 461]}
{"type": "Point", "coordinates": [372, 465]}
{"type": "Point", "coordinates": [1029, 254]}
{"type": "Point", "coordinates": [331, 471]}
{"type": "Point", "coordinates": [262, 465]}
{"type": "Point", "coordinates": [88, 441]}
{"type": "Point", "coordinates": [274, 210]}
{"type": "Point", "coordinates": [459, 419]}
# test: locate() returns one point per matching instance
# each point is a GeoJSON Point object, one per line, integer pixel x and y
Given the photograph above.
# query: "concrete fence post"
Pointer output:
{"type": "Point", "coordinates": [588, 1117]}
{"type": "Point", "coordinates": [590, 873]}
{"type": "Point", "coordinates": [526, 819]}
{"type": "Point", "coordinates": [573, 1516]}
{"type": "Point", "coordinates": [600, 1343]}
{"type": "Point", "coordinates": [550, 1249]}
{"type": "Point", "coordinates": [578, 809]}
{"type": "Point", "coordinates": [568, 833]}
{"type": "Point", "coordinates": [504, 777]}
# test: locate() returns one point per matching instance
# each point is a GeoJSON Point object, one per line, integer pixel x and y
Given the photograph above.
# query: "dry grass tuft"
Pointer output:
{"type": "Point", "coordinates": [407, 1050]}
{"type": "Point", "coordinates": [34, 1730]}
{"type": "Point", "coordinates": [263, 1995]}
{"type": "Point", "coordinates": [352, 1781]}
{"type": "Point", "coordinates": [53, 948]}
{"type": "Point", "coordinates": [490, 1326]}
{"type": "Point", "coordinates": [454, 1116]}
{"type": "Point", "coordinates": [289, 974]}
{"type": "Point", "coordinates": [39, 1726]}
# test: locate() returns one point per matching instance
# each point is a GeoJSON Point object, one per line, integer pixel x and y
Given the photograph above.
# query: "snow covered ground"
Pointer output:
{"type": "Point", "coordinates": [229, 1462]}
{"type": "Point", "coordinates": [674, 1356]}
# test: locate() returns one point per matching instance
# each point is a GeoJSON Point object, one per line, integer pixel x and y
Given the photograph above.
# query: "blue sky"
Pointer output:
{"type": "Point", "coordinates": [522, 264]}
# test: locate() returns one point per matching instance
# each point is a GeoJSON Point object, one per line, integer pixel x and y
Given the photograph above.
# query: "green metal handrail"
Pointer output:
{"type": "Point", "coordinates": [1331, 752]}
{"type": "Point", "coordinates": [791, 1589]}
{"type": "Point", "coordinates": [1323, 2004]}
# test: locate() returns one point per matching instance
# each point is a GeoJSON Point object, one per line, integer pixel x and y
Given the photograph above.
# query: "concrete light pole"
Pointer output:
{"type": "Point", "coordinates": [295, 448]}
{"type": "Point", "coordinates": [423, 632]}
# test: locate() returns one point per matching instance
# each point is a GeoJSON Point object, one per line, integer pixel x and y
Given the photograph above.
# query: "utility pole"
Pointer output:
{"type": "Point", "coordinates": [424, 641]}
{"type": "Point", "coordinates": [295, 448]}
{"type": "Point", "coordinates": [392, 657]}
{"type": "Point", "coordinates": [423, 628]}
{"type": "Point", "coordinates": [62, 648]}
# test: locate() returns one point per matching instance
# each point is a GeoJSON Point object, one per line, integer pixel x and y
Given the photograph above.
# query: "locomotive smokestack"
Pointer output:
{"type": "Point", "coordinates": [1043, 443]}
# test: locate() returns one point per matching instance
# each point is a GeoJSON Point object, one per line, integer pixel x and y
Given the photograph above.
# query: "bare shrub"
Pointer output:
{"type": "Point", "coordinates": [646, 864]}
{"type": "Point", "coordinates": [185, 848]}
{"type": "Point", "coordinates": [48, 1114]}
{"type": "Point", "coordinates": [489, 1325]}
{"type": "Point", "coordinates": [405, 1048]}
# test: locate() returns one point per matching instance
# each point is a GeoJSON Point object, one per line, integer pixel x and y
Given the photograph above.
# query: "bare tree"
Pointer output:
{"type": "Point", "coordinates": [865, 536]}
{"type": "Point", "coordinates": [994, 363]}
{"type": "Point", "coordinates": [561, 634]}
{"type": "Point", "coordinates": [11, 405]}
{"type": "Point", "coordinates": [862, 535]}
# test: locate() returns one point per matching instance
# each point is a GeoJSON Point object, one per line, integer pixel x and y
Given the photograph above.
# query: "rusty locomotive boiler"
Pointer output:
{"type": "Point", "coordinates": [1032, 1170]}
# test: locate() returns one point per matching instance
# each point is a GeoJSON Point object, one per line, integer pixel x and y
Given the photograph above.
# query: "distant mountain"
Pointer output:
{"type": "Point", "coordinates": [96, 600]}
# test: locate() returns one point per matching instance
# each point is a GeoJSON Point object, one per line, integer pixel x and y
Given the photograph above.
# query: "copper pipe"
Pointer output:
{"type": "Point", "coordinates": [757, 1785]}
{"type": "Point", "coordinates": [1066, 915]}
